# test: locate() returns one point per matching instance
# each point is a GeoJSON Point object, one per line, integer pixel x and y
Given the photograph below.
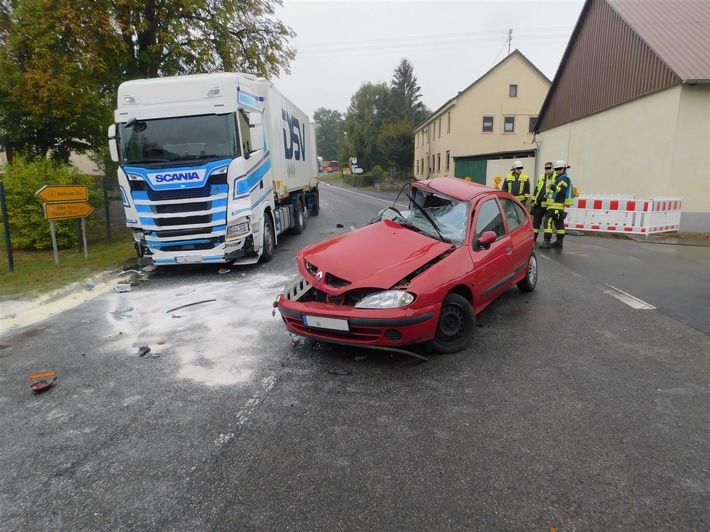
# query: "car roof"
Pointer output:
{"type": "Point", "coordinates": [455, 187]}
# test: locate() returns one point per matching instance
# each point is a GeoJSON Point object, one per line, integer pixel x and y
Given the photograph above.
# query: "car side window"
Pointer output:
{"type": "Point", "coordinates": [513, 214]}
{"type": "Point", "coordinates": [489, 219]}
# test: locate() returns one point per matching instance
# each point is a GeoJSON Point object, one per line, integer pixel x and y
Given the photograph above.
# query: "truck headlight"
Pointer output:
{"type": "Point", "coordinates": [138, 236]}
{"type": "Point", "coordinates": [238, 229]}
{"type": "Point", "coordinates": [386, 299]}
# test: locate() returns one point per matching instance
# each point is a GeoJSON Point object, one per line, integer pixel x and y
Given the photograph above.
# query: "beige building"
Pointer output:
{"type": "Point", "coordinates": [629, 108]}
{"type": "Point", "coordinates": [478, 132]}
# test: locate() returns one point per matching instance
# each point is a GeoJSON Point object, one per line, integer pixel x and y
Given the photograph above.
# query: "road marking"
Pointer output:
{"type": "Point", "coordinates": [388, 202]}
{"type": "Point", "coordinates": [630, 300]}
{"type": "Point", "coordinates": [544, 256]}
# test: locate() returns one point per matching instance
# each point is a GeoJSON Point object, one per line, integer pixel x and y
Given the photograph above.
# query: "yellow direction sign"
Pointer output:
{"type": "Point", "coordinates": [63, 193]}
{"type": "Point", "coordinates": [62, 211]}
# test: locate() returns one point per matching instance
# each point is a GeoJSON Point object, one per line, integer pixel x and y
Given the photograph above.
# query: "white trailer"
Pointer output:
{"type": "Point", "coordinates": [212, 167]}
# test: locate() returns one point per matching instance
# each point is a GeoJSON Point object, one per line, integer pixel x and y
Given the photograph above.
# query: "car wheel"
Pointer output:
{"type": "Point", "coordinates": [530, 282]}
{"type": "Point", "coordinates": [456, 324]}
{"type": "Point", "coordinates": [300, 224]}
{"type": "Point", "coordinates": [267, 250]}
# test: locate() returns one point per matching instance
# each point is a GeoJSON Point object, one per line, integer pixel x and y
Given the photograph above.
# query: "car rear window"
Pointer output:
{"type": "Point", "coordinates": [489, 219]}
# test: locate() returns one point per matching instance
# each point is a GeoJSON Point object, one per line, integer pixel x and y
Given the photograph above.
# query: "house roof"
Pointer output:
{"type": "Point", "coordinates": [514, 53]}
{"type": "Point", "coordinates": [677, 31]}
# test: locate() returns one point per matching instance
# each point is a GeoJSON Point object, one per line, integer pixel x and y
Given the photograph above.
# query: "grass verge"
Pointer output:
{"type": "Point", "coordinates": [35, 272]}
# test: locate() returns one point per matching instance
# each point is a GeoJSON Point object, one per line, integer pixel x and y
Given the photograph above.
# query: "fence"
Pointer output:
{"type": "Point", "coordinates": [624, 214]}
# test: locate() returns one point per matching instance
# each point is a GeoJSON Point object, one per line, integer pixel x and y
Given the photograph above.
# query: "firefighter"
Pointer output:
{"type": "Point", "coordinates": [517, 182]}
{"type": "Point", "coordinates": [538, 204]}
{"type": "Point", "coordinates": [559, 196]}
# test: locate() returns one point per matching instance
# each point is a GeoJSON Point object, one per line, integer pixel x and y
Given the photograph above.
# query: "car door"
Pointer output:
{"type": "Point", "coordinates": [493, 268]}
{"type": "Point", "coordinates": [519, 232]}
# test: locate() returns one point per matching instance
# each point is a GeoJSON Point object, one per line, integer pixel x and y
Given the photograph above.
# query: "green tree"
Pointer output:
{"type": "Point", "coordinates": [406, 94]}
{"type": "Point", "coordinates": [397, 143]}
{"type": "Point", "coordinates": [369, 109]}
{"type": "Point", "coordinates": [329, 131]}
{"type": "Point", "coordinates": [61, 60]}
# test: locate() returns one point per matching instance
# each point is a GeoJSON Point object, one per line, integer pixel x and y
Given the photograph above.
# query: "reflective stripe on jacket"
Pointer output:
{"type": "Point", "coordinates": [518, 186]}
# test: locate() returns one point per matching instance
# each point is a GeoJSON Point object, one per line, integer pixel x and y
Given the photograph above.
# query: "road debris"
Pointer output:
{"type": "Point", "coordinates": [360, 358]}
{"type": "Point", "coordinates": [162, 341]}
{"type": "Point", "coordinates": [189, 305]}
{"type": "Point", "coordinates": [339, 226]}
{"type": "Point", "coordinates": [143, 351]}
{"type": "Point", "coordinates": [339, 371]}
{"type": "Point", "coordinates": [122, 287]}
{"type": "Point", "coordinates": [41, 382]}
{"type": "Point", "coordinates": [175, 316]}
{"type": "Point", "coordinates": [223, 270]}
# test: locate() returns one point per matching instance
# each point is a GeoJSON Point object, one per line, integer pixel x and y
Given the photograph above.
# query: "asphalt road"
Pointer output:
{"type": "Point", "coordinates": [572, 410]}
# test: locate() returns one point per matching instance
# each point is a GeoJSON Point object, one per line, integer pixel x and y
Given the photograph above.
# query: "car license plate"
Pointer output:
{"type": "Point", "coordinates": [189, 259]}
{"type": "Point", "coordinates": [319, 322]}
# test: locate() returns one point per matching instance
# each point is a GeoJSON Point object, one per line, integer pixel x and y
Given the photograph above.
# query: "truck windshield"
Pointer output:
{"type": "Point", "coordinates": [184, 138]}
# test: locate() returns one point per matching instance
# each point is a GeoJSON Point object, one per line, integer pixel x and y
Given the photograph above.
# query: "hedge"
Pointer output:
{"type": "Point", "coordinates": [359, 180]}
{"type": "Point", "coordinates": [28, 227]}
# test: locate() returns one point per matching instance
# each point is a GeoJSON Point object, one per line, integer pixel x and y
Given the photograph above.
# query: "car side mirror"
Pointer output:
{"type": "Point", "coordinates": [486, 239]}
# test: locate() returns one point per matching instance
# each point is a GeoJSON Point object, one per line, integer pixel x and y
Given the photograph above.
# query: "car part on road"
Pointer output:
{"type": "Point", "coordinates": [122, 287]}
{"type": "Point", "coordinates": [223, 270]}
{"type": "Point", "coordinates": [339, 226]}
{"type": "Point", "coordinates": [338, 371]}
{"type": "Point", "coordinates": [189, 305]}
{"type": "Point", "coordinates": [143, 351]}
{"type": "Point", "coordinates": [41, 382]}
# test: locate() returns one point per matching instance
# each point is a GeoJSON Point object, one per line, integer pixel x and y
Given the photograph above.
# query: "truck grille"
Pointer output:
{"type": "Point", "coordinates": [182, 207]}
{"type": "Point", "coordinates": [185, 220]}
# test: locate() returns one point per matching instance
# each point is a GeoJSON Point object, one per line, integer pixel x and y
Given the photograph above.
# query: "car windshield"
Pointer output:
{"type": "Point", "coordinates": [177, 139]}
{"type": "Point", "coordinates": [448, 216]}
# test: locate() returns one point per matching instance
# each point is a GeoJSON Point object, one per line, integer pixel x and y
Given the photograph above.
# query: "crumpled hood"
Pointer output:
{"type": "Point", "coordinates": [376, 256]}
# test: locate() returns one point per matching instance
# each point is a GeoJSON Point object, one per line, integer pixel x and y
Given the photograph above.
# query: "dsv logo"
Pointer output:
{"type": "Point", "coordinates": [294, 137]}
{"type": "Point", "coordinates": [176, 176]}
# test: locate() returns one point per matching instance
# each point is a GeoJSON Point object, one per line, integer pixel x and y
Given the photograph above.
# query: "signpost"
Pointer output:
{"type": "Point", "coordinates": [62, 202]}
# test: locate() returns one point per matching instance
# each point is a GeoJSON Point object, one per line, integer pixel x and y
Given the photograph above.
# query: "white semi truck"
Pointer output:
{"type": "Point", "coordinates": [212, 167]}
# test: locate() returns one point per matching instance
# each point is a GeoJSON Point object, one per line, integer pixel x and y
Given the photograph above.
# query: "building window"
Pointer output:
{"type": "Point", "coordinates": [533, 123]}
{"type": "Point", "coordinates": [509, 124]}
{"type": "Point", "coordinates": [448, 159]}
{"type": "Point", "coordinates": [513, 91]}
{"type": "Point", "coordinates": [448, 122]}
{"type": "Point", "coordinates": [487, 124]}
{"type": "Point", "coordinates": [438, 162]}
{"type": "Point", "coordinates": [417, 170]}
{"type": "Point", "coordinates": [433, 160]}
{"type": "Point", "coordinates": [439, 127]}
{"type": "Point", "coordinates": [422, 166]}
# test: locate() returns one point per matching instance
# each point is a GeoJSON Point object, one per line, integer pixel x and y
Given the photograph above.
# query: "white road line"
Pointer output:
{"type": "Point", "coordinates": [630, 300]}
{"type": "Point", "coordinates": [544, 256]}
{"type": "Point", "coordinates": [388, 202]}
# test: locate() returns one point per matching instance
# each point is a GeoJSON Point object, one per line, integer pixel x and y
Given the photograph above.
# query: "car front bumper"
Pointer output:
{"type": "Point", "coordinates": [377, 327]}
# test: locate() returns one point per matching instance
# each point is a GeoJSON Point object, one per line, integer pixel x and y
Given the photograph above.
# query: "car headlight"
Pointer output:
{"type": "Point", "coordinates": [238, 229]}
{"type": "Point", "coordinates": [386, 299]}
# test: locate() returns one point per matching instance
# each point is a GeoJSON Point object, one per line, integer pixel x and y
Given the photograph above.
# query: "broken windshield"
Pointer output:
{"type": "Point", "coordinates": [179, 139]}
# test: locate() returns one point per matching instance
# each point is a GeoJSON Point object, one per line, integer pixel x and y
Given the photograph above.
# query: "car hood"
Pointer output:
{"type": "Point", "coordinates": [376, 256]}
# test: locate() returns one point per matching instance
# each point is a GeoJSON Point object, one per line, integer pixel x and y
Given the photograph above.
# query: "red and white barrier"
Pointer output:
{"type": "Point", "coordinates": [624, 214]}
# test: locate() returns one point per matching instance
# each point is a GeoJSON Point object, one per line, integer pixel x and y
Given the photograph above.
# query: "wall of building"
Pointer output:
{"type": "Point", "coordinates": [656, 145]}
{"type": "Point", "coordinates": [501, 168]}
{"type": "Point", "coordinates": [463, 135]}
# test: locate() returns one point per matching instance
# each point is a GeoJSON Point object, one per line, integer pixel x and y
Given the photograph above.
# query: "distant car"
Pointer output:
{"type": "Point", "coordinates": [417, 275]}
{"type": "Point", "coordinates": [331, 166]}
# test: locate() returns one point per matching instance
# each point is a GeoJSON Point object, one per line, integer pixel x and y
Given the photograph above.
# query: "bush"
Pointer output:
{"type": "Point", "coordinates": [378, 173]}
{"type": "Point", "coordinates": [28, 227]}
{"type": "Point", "coordinates": [359, 180]}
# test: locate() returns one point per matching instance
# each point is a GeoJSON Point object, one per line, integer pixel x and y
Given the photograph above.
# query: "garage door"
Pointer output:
{"type": "Point", "coordinates": [476, 170]}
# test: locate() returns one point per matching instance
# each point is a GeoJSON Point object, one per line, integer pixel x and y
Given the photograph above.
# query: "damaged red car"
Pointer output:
{"type": "Point", "coordinates": [414, 276]}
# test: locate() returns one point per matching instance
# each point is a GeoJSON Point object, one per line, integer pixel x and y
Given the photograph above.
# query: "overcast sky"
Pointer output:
{"type": "Point", "coordinates": [342, 44]}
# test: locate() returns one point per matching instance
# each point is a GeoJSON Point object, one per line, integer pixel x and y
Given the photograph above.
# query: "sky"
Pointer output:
{"type": "Point", "coordinates": [342, 44]}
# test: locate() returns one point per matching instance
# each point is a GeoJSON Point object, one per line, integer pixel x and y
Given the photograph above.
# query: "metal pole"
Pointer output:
{"type": "Point", "coordinates": [6, 223]}
{"type": "Point", "coordinates": [106, 209]}
{"type": "Point", "coordinates": [54, 242]}
{"type": "Point", "coordinates": [83, 234]}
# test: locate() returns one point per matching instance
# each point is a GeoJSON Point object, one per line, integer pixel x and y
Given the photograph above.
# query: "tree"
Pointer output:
{"type": "Point", "coordinates": [329, 131]}
{"type": "Point", "coordinates": [60, 64]}
{"type": "Point", "coordinates": [369, 109]}
{"type": "Point", "coordinates": [397, 144]}
{"type": "Point", "coordinates": [406, 94]}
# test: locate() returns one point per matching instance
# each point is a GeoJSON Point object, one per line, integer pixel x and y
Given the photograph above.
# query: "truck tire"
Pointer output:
{"type": "Point", "coordinates": [316, 203]}
{"type": "Point", "coordinates": [269, 244]}
{"type": "Point", "coordinates": [300, 217]}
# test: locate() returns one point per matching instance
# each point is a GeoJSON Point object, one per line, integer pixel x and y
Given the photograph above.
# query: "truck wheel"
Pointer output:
{"type": "Point", "coordinates": [316, 203]}
{"type": "Point", "coordinates": [267, 250]}
{"type": "Point", "coordinates": [457, 322]}
{"type": "Point", "coordinates": [300, 216]}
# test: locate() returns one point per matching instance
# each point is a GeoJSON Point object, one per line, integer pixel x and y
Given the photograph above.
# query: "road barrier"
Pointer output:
{"type": "Point", "coordinates": [624, 214]}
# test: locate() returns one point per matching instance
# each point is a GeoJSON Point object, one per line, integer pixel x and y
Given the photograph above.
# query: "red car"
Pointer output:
{"type": "Point", "coordinates": [417, 275]}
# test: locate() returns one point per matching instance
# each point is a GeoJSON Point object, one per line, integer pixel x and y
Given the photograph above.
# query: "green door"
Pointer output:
{"type": "Point", "coordinates": [476, 170]}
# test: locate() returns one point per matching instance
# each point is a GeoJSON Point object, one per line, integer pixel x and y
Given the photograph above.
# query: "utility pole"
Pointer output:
{"type": "Point", "coordinates": [510, 38]}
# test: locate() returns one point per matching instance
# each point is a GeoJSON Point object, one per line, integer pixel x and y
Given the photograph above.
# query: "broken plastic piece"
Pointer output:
{"type": "Point", "coordinates": [122, 287]}
{"type": "Point", "coordinates": [338, 371]}
{"type": "Point", "coordinates": [339, 226]}
{"type": "Point", "coordinates": [143, 351]}
{"type": "Point", "coordinates": [224, 270]}
{"type": "Point", "coordinates": [41, 382]}
{"type": "Point", "coordinates": [190, 304]}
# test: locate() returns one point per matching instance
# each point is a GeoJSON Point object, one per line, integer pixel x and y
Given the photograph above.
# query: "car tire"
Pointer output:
{"type": "Point", "coordinates": [269, 244]}
{"type": "Point", "coordinates": [530, 282]}
{"type": "Point", "coordinates": [457, 322]}
{"type": "Point", "coordinates": [298, 212]}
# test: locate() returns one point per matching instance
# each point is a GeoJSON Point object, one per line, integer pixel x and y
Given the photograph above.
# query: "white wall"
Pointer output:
{"type": "Point", "coordinates": [501, 168]}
